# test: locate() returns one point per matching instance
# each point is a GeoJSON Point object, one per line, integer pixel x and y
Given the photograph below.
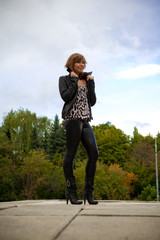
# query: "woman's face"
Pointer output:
{"type": "Point", "coordinates": [79, 67]}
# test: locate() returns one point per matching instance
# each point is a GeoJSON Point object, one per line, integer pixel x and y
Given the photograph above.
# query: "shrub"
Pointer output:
{"type": "Point", "coordinates": [110, 182]}
{"type": "Point", "coordinates": [148, 193]}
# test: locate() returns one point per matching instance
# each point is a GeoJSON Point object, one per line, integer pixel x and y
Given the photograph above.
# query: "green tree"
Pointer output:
{"type": "Point", "coordinates": [158, 141]}
{"type": "Point", "coordinates": [57, 138]}
{"type": "Point", "coordinates": [35, 139]}
{"type": "Point", "coordinates": [32, 151]}
{"type": "Point", "coordinates": [5, 145]}
{"type": "Point", "coordinates": [113, 144]}
{"type": "Point", "coordinates": [137, 137]}
{"type": "Point", "coordinates": [46, 141]}
{"type": "Point", "coordinates": [43, 126]}
{"type": "Point", "coordinates": [25, 131]}
{"type": "Point", "coordinates": [33, 172]}
{"type": "Point", "coordinates": [141, 162]}
{"type": "Point", "coordinates": [18, 128]}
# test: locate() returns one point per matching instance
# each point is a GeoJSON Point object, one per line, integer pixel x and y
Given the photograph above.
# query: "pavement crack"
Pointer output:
{"type": "Point", "coordinates": [118, 215]}
{"type": "Point", "coordinates": [4, 208]}
{"type": "Point", "coordinates": [59, 233]}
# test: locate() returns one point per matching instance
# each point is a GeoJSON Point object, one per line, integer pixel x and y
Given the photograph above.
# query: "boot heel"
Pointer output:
{"type": "Point", "coordinates": [67, 198]}
{"type": "Point", "coordinates": [90, 199]}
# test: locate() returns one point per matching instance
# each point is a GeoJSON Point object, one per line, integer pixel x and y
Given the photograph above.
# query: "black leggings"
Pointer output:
{"type": "Point", "coordinates": [77, 130]}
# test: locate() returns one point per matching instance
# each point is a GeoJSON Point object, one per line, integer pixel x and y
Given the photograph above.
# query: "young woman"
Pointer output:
{"type": "Point", "coordinates": [78, 92]}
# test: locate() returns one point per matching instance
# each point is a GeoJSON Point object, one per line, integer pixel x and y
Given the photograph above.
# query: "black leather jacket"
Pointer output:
{"type": "Point", "coordinates": [68, 89]}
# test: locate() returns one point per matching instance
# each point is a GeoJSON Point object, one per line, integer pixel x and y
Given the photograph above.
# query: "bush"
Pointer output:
{"type": "Point", "coordinates": [148, 194]}
{"type": "Point", "coordinates": [7, 180]}
{"type": "Point", "coordinates": [110, 182]}
{"type": "Point", "coordinates": [53, 186]}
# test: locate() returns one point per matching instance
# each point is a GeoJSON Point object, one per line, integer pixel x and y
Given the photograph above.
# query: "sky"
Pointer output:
{"type": "Point", "coordinates": [120, 40]}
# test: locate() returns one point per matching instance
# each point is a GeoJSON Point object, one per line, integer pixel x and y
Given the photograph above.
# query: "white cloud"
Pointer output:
{"type": "Point", "coordinates": [37, 36]}
{"type": "Point", "coordinates": [132, 40]}
{"type": "Point", "coordinates": [140, 72]}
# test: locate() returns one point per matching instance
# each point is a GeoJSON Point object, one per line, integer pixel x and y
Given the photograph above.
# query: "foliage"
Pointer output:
{"type": "Point", "coordinates": [7, 180]}
{"type": "Point", "coordinates": [18, 128]}
{"type": "Point", "coordinates": [53, 187]}
{"type": "Point", "coordinates": [136, 137]}
{"type": "Point", "coordinates": [110, 182]}
{"type": "Point", "coordinates": [112, 143]}
{"type": "Point", "coordinates": [57, 137]}
{"type": "Point", "coordinates": [33, 172]}
{"type": "Point", "coordinates": [5, 145]}
{"type": "Point", "coordinates": [148, 193]}
{"type": "Point", "coordinates": [142, 163]}
{"type": "Point", "coordinates": [31, 160]}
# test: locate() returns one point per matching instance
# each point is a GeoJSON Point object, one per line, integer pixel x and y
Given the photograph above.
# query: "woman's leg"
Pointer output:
{"type": "Point", "coordinates": [89, 142]}
{"type": "Point", "coordinates": [73, 136]}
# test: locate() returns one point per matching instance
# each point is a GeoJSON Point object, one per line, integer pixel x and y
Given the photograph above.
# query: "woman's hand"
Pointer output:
{"type": "Point", "coordinates": [90, 77]}
{"type": "Point", "coordinates": [73, 74]}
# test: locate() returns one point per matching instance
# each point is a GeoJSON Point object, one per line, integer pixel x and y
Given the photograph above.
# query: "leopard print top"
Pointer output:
{"type": "Point", "coordinates": [80, 109]}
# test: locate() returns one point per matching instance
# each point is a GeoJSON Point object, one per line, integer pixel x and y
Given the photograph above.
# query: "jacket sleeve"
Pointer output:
{"type": "Point", "coordinates": [67, 89]}
{"type": "Point", "coordinates": [91, 92]}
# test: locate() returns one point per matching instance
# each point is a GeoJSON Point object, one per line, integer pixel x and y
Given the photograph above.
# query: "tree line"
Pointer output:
{"type": "Point", "coordinates": [31, 158]}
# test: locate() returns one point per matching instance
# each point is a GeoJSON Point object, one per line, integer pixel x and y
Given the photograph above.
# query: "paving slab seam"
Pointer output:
{"type": "Point", "coordinates": [59, 233]}
{"type": "Point", "coordinates": [118, 215]}
{"type": "Point", "coordinates": [29, 203]}
{"type": "Point", "coordinates": [4, 208]}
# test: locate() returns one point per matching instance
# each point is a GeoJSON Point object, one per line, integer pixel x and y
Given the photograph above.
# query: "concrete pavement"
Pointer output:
{"type": "Point", "coordinates": [54, 220]}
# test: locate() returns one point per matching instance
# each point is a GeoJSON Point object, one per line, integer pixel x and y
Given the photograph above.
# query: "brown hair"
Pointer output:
{"type": "Point", "coordinates": [75, 58]}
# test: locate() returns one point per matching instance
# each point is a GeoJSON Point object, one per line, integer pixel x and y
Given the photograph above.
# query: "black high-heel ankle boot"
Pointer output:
{"type": "Point", "coordinates": [88, 191]}
{"type": "Point", "coordinates": [71, 192]}
{"type": "Point", "coordinates": [90, 199]}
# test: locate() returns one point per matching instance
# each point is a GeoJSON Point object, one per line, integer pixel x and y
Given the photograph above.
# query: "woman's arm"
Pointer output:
{"type": "Point", "coordinates": [91, 90]}
{"type": "Point", "coordinates": [67, 87]}
{"type": "Point", "coordinates": [92, 94]}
